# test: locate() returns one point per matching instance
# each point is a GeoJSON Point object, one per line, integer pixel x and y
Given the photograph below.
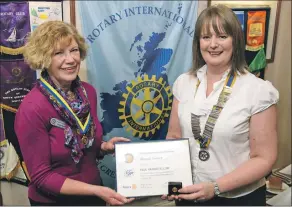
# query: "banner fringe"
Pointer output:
{"type": "Point", "coordinates": [11, 51]}
{"type": "Point", "coordinates": [13, 172]}
{"type": "Point", "coordinates": [25, 170]}
{"type": "Point", "coordinates": [8, 108]}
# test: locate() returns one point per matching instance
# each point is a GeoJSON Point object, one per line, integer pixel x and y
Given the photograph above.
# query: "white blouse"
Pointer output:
{"type": "Point", "coordinates": [229, 146]}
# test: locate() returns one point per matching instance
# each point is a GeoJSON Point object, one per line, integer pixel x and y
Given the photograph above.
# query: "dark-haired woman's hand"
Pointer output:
{"type": "Point", "coordinates": [197, 192]}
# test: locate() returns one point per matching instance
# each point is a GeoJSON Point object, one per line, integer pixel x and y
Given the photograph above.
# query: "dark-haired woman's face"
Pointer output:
{"type": "Point", "coordinates": [216, 49]}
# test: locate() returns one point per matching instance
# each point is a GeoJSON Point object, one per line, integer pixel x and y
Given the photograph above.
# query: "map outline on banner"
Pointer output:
{"type": "Point", "coordinates": [142, 82]}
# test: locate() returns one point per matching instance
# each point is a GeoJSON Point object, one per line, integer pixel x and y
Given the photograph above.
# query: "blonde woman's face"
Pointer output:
{"type": "Point", "coordinates": [65, 63]}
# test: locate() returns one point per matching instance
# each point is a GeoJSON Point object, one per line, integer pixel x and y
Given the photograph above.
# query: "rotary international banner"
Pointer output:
{"type": "Point", "coordinates": [136, 51]}
{"type": "Point", "coordinates": [14, 20]}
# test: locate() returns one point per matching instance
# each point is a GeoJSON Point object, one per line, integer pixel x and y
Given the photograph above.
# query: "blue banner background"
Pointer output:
{"type": "Point", "coordinates": [136, 51]}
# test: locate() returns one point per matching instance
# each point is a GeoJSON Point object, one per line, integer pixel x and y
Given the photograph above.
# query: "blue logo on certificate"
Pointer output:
{"type": "Point", "coordinates": [129, 173]}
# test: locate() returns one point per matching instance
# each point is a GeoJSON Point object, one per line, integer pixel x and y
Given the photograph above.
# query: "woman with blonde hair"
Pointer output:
{"type": "Point", "coordinates": [57, 126]}
{"type": "Point", "coordinates": [228, 114]}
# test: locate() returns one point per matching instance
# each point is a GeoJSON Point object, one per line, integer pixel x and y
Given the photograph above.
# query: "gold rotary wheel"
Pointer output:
{"type": "Point", "coordinates": [146, 105]}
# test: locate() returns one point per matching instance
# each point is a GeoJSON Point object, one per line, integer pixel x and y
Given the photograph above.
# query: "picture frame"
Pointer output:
{"type": "Point", "coordinates": [275, 7]}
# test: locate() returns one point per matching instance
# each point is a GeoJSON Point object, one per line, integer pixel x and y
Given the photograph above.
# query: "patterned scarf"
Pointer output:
{"type": "Point", "coordinates": [75, 138]}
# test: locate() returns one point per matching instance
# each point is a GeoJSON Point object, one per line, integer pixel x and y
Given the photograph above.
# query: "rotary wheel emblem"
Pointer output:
{"type": "Point", "coordinates": [146, 105]}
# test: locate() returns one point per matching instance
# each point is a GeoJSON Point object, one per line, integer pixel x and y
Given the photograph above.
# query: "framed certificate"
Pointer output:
{"type": "Point", "coordinates": [146, 168]}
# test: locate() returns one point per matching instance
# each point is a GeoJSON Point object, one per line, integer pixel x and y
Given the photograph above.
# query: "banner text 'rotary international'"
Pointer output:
{"type": "Point", "coordinates": [138, 10]}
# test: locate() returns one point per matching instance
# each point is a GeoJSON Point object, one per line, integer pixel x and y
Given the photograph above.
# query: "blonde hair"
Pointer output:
{"type": "Point", "coordinates": [220, 17]}
{"type": "Point", "coordinates": [42, 42]}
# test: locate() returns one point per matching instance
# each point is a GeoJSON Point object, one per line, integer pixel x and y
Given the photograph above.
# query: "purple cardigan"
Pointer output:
{"type": "Point", "coordinates": [48, 161]}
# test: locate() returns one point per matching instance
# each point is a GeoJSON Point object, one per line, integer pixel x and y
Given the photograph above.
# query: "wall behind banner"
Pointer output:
{"type": "Point", "coordinates": [278, 72]}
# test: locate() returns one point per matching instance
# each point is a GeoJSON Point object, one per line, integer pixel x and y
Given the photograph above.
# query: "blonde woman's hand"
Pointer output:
{"type": "Point", "coordinates": [109, 146]}
{"type": "Point", "coordinates": [112, 197]}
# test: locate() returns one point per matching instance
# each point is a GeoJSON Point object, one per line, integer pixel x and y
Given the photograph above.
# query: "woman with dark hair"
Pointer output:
{"type": "Point", "coordinates": [228, 114]}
